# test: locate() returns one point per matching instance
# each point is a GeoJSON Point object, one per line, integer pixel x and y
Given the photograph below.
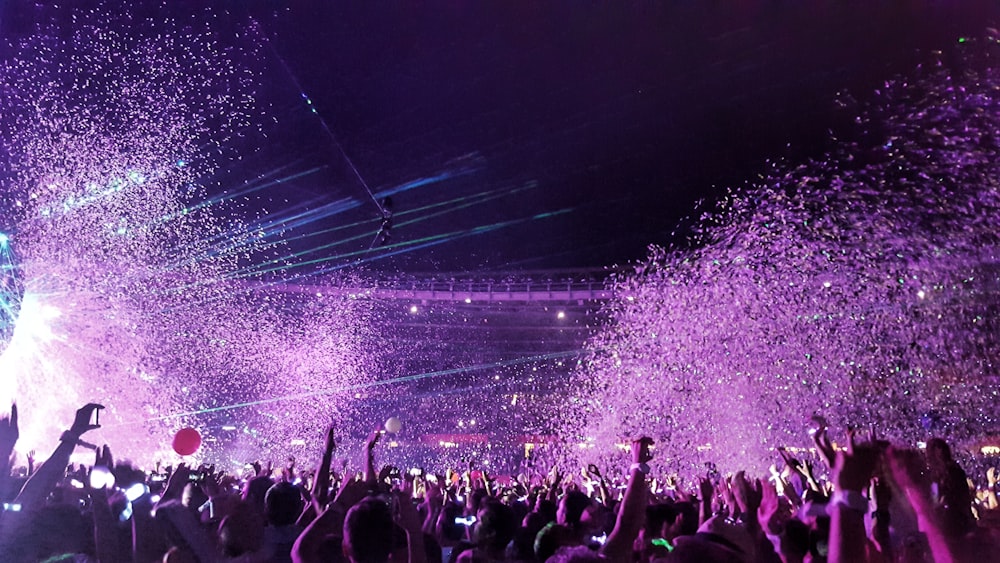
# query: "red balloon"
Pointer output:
{"type": "Point", "coordinates": [187, 441]}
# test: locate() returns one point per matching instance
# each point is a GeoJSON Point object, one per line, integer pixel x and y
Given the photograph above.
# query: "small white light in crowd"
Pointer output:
{"type": "Point", "coordinates": [13, 507]}
{"type": "Point", "coordinates": [76, 484]}
{"type": "Point", "coordinates": [921, 294]}
{"type": "Point", "coordinates": [135, 491]}
{"type": "Point", "coordinates": [827, 284]}
{"type": "Point", "coordinates": [560, 315]}
{"type": "Point", "coordinates": [472, 422]}
{"type": "Point", "coordinates": [414, 309]}
{"type": "Point", "coordinates": [298, 442]}
{"type": "Point", "coordinates": [229, 427]}
{"type": "Point", "coordinates": [101, 477]}
{"type": "Point", "coordinates": [155, 499]}
{"type": "Point", "coordinates": [922, 445]}
{"type": "Point", "coordinates": [468, 300]}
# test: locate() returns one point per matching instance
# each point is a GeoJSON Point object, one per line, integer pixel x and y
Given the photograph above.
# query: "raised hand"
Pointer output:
{"type": "Point", "coordinates": [707, 492]}
{"type": "Point", "coordinates": [373, 439]}
{"type": "Point", "coordinates": [790, 460]}
{"type": "Point", "coordinates": [351, 493]}
{"type": "Point", "coordinates": [8, 438]}
{"type": "Point", "coordinates": [767, 512]}
{"type": "Point", "coordinates": [103, 458]}
{"type": "Point", "coordinates": [706, 489]}
{"type": "Point", "coordinates": [728, 498]}
{"type": "Point", "coordinates": [854, 468]}
{"type": "Point", "coordinates": [176, 482]}
{"type": "Point", "coordinates": [213, 484]}
{"type": "Point", "coordinates": [593, 470]}
{"type": "Point", "coordinates": [321, 483]}
{"type": "Point", "coordinates": [288, 471]}
{"type": "Point", "coordinates": [388, 472]}
{"type": "Point", "coordinates": [555, 476]}
{"type": "Point", "coordinates": [640, 449]}
{"type": "Point", "coordinates": [824, 446]}
{"type": "Point", "coordinates": [9, 432]}
{"type": "Point", "coordinates": [746, 492]}
{"type": "Point", "coordinates": [369, 456]}
{"type": "Point", "coordinates": [82, 424]}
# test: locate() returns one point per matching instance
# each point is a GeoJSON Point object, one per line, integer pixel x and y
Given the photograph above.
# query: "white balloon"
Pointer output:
{"type": "Point", "coordinates": [393, 425]}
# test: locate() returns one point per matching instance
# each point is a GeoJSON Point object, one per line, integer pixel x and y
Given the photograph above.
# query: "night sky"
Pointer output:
{"type": "Point", "coordinates": [593, 128]}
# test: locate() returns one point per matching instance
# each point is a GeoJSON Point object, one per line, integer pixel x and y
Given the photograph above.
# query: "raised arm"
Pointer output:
{"type": "Point", "coordinates": [321, 483]}
{"type": "Point", "coordinates": [329, 523]}
{"type": "Point", "coordinates": [105, 534]}
{"type": "Point", "coordinates": [632, 513]}
{"type": "Point", "coordinates": [44, 480]}
{"type": "Point", "coordinates": [852, 472]}
{"type": "Point", "coordinates": [8, 438]}
{"type": "Point", "coordinates": [369, 454]}
{"type": "Point", "coordinates": [909, 472]}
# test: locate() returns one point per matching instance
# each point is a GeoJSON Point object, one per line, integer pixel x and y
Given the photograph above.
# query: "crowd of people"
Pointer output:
{"type": "Point", "coordinates": [873, 501]}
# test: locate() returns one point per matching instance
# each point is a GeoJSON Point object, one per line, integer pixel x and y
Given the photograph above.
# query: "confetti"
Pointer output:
{"type": "Point", "coordinates": [860, 287]}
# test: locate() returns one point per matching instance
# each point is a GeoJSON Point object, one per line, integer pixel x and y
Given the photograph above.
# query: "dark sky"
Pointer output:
{"type": "Point", "coordinates": [592, 127]}
{"type": "Point", "coordinates": [623, 113]}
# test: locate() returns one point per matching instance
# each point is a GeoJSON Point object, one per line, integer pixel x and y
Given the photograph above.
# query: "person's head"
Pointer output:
{"type": "Point", "coordinates": [495, 526]}
{"type": "Point", "coordinates": [283, 504]}
{"type": "Point", "coordinates": [571, 508]}
{"type": "Point", "coordinates": [476, 498]}
{"type": "Point", "coordinates": [240, 533]}
{"type": "Point", "coordinates": [716, 541]}
{"type": "Point", "coordinates": [255, 490]}
{"type": "Point", "coordinates": [179, 555]}
{"type": "Point", "coordinates": [450, 531]}
{"type": "Point", "coordinates": [795, 540]}
{"type": "Point", "coordinates": [575, 554]}
{"type": "Point", "coordinates": [667, 521]}
{"type": "Point", "coordinates": [192, 496]}
{"type": "Point", "coordinates": [938, 452]}
{"type": "Point", "coordinates": [553, 537]}
{"type": "Point", "coordinates": [367, 529]}
{"type": "Point", "coordinates": [49, 531]}
{"type": "Point", "coordinates": [547, 508]}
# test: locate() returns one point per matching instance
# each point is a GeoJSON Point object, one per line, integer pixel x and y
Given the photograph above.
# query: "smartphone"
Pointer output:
{"type": "Point", "coordinates": [465, 521]}
{"type": "Point", "coordinates": [97, 416]}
